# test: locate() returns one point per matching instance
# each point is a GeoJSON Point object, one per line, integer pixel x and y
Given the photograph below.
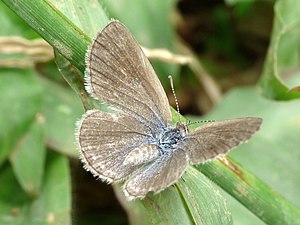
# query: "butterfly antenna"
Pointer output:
{"type": "Point", "coordinates": [200, 121]}
{"type": "Point", "coordinates": [187, 122]}
{"type": "Point", "coordinates": [175, 98]}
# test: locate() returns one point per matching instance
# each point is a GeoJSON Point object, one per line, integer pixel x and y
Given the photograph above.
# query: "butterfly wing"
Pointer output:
{"type": "Point", "coordinates": [215, 138]}
{"type": "Point", "coordinates": [157, 176]}
{"type": "Point", "coordinates": [120, 74]}
{"type": "Point", "coordinates": [105, 139]}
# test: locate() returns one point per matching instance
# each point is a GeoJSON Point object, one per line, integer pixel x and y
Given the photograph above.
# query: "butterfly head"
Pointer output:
{"type": "Point", "coordinates": [182, 128]}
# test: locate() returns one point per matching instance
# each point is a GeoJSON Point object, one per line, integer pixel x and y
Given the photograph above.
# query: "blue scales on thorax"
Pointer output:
{"type": "Point", "coordinates": [166, 142]}
{"type": "Point", "coordinates": [172, 137]}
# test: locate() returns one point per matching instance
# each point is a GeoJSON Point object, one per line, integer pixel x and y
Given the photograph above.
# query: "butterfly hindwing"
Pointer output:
{"type": "Point", "coordinates": [157, 176]}
{"type": "Point", "coordinates": [105, 140]}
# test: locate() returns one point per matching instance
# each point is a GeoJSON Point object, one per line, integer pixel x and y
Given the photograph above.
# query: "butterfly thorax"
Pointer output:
{"type": "Point", "coordinates": [172, 137]}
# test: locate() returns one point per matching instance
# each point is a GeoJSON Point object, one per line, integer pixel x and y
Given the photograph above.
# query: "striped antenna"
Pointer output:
{"type": "Point", "coordinates": [200, 121]}
{"type": "Point", "coordinates": [175, 98]}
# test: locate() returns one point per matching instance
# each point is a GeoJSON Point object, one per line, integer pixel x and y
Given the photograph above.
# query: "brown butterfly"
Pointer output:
{"type": "Point", "coordinates": [137, 142]}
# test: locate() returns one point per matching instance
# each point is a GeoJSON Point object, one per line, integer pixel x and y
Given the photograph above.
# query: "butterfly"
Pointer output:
{"type": "Point", "coordinates": [136, 142]}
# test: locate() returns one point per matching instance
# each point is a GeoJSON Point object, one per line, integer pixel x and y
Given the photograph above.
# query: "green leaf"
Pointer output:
{"type": "Point", "coordinates": [283, 54]}
{"type": "Point", "coordinates": [14, 203]}
{"type": "Point", "coordinates": [204, 202]}
{"type": "Point", "coordinates": [12, 25]}
{"type": "Point", "coordinates": [153, 27]}
{"type": "Point", "coordinates": [28, 159]}
{"type": "Point", "coordinates": [58, 30]}
{"type": "Point", "coordinates": [234, 2]}
{"type": "Point", "coordinates": [20, 100]}
{"type": "Point", "coordinates": [167, 208]}
{"type": "Point", "coordinates": [272, 155]}
{"type": "Point", "coordinates": [90, 18]}
{"type": "Point", "coordinates": [240, 214]}
{"type": "Point", "coordinates": [52, 206]}
{"type": "Point", "coordinates": [194, 199]}
{"type": "Point", "coordinates": [61, 109]}
{"type": "Point", "coordinates": [55, 28]}
{"type": "Point", "coordinates": [74, 78]}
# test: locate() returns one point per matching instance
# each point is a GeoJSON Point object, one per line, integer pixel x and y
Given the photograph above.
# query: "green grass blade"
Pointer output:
{"type": "Point", "coordinates": [13, 123]}
{"type": "Point", "coordinates": [252, 192]}
{"type": "Point", "coordinates": [54, 27]}
{"type": "Point", "coordinates": [30, 172]}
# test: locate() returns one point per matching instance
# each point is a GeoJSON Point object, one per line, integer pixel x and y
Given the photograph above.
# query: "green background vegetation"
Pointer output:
{"type": "Point", "coordinates": [41, 179]}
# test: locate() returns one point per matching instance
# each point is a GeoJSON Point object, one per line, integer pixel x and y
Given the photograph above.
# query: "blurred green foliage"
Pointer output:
{"type": "Point", "coordinates": [38, 111]}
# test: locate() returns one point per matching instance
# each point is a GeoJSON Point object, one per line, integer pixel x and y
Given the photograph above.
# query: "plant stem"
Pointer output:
{"type": "Point", "coordinates": [253, 193]}
{"type": "Point", "coordinates": [54, 27]}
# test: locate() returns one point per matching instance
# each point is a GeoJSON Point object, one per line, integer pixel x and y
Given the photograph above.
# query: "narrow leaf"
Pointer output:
{"type": "Point", "coordinates": [20, 100]}
{"type": "Point", "coordinates": [283, 54]}
{"type": "Point", "coordinates": [28, 158]}
{"type": "Point", "coordinates": [272, 155]}
{"type": "Point", "coordinates": [54, 204]}
{"type": "Point", "coordinates": [205, 203]}
{"type": "Point", "coordinates": [61, 109]}
{"type": "Point", "coordinates": [54, 27]}
{"type": "Point", "coordinates": [90, 18]}
{"type": "Point", "coordinates": [51, 206]}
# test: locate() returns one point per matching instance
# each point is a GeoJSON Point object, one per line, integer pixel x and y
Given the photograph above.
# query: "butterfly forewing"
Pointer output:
{"type": "Point", "coordinates": [120, 74]}
{"type": "Point", "coordinates": [215, 138]}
